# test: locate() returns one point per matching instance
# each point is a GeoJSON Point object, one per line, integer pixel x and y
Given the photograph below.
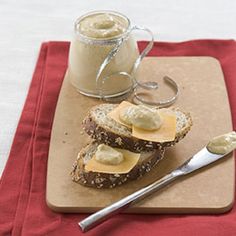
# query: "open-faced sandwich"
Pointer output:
{"type": "Point", "coordinates": [127, 141]}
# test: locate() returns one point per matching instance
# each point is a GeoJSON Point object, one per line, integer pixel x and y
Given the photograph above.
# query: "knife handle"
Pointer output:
{"type": "Point", "coordinates": [102, 215]}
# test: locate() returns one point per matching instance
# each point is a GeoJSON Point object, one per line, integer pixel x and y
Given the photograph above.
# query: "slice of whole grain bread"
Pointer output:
{"type": "Point", "coordinates": [105, 130]}
{"type": "Point", "coordinates": [146, 162]}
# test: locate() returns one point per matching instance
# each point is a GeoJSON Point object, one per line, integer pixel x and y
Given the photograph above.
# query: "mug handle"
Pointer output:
{"type": "Point", "coordinates": [146, 50]}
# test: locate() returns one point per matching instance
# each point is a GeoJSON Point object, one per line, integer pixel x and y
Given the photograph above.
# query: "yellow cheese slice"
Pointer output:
{"type": "Point", "coordinates": [130, 160]}
{"type": "Point", "coordinates": [165, 133]}
{"type": "Point", "coordinates": [115, 114]}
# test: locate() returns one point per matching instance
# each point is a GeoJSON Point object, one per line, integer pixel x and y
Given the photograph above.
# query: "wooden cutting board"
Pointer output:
{"type": "Point", "coordinates": [202, 93]}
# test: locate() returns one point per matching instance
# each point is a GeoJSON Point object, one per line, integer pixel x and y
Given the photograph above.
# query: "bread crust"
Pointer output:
{"type": "Point", "coordinates": [105, 180]}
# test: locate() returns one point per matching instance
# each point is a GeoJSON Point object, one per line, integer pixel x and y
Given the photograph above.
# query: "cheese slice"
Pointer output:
{"type": "Point", "coordinates": [165, 133]}
{"type": "Point", "coordinates": [115, 114]}
{"type": "Point", "coordinates": [130, 160]}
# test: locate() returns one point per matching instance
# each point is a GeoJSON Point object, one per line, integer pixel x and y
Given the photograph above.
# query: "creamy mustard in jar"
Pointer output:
{"type": "Point", "coordinates": [96, 34]}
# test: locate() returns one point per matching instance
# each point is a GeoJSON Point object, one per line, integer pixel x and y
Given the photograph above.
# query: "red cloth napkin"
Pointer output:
{"type": "Point", "coordinates": [23, 210]}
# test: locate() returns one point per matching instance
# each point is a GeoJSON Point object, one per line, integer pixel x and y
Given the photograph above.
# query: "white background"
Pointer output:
{"type": "Point", "coordinates": [24, 24]}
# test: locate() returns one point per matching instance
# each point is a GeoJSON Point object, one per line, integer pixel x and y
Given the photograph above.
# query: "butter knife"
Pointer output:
{"type": "Point", "coordinates": [199, 160]}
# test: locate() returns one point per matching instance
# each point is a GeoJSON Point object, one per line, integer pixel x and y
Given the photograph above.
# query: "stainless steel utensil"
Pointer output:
{"type": "Point", "coordinates": [199, 160]}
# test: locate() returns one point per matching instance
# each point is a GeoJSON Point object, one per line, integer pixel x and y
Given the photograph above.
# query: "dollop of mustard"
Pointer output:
{"type": "Point", "coordinates": [142, 117]}
{"type": "Point", "coordinates": [223, 144]}
{"type": "Point", "coordinates": [103, 25]}
{"type": "Point", "coordinates": [108, 155]}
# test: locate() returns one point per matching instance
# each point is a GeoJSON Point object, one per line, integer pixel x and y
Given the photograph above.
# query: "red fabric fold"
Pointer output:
{"type": "Point", "coordinates": [23, 210]}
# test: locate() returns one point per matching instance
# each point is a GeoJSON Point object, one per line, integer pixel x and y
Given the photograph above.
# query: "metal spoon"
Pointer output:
{"type": "Point", "coordinates": [199, 160]}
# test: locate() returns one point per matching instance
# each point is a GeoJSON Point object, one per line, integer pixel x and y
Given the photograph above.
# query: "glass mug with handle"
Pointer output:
{"type": "Point", "coordinates": [104, 56]}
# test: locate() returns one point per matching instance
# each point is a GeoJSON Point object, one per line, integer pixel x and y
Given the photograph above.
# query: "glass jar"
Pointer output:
{"type": "Point", "coordinates": [96, 34]}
